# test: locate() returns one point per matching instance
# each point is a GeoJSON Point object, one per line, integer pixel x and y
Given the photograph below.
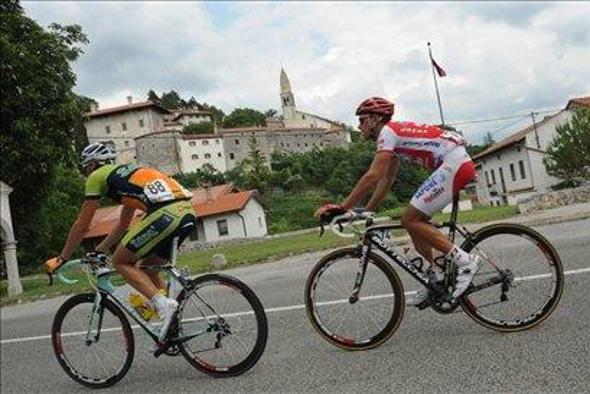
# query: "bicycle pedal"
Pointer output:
{"type": "Point", "coordinates": [424, 304]}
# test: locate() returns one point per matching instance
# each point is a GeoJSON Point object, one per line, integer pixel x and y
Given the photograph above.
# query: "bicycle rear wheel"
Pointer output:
{"type": "Point", "coordinates": [95, 348]}
{"type": "Point", "coordinates": [223, 324]}
{"type": "Point", "coordinates": [361, 324]}
{"type": "Point", "coordinates": [535, 278]}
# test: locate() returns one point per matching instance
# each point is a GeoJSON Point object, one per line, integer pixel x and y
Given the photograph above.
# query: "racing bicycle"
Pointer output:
{"type": "Point", "coordinates": [220, 327]}
{"type": "Point", "coordinates": [355, 299]}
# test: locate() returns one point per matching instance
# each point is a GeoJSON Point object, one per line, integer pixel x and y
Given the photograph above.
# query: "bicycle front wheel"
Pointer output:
{"type": "Point", "coordinates": [93, 344]}
{"type": "Point", "coordinates": [223, 327]}
{"type": "Point", "coordinates": [534, 272]}
{"type": "Point", "coordinates": [348, 323]}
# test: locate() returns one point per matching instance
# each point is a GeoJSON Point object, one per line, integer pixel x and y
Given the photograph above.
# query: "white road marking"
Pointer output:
{"type": "Point", "coordinates": [272, 310]}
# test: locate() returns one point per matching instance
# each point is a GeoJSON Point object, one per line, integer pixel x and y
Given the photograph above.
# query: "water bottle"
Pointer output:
{"type": "Point", "coordinates": [142, 306]}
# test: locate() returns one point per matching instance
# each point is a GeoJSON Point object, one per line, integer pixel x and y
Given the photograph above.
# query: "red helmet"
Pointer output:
{"type": "Point", "coordinates": [375, 105]}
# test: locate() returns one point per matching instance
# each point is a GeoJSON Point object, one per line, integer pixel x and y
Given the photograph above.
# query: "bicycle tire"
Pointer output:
{"type": "Point", "coordinates": [393, 321]}
{"type": "Point", "coordinates": [58, 339]}
{"type": "Point", "coordinates": [259, 343]}
{"type": "Point", "coordinates": [554, 266]}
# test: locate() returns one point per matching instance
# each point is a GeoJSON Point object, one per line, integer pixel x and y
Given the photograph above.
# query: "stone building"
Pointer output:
{"type": "Point", "coordinates": [120, 126]}
{"type": "Point", "coordinates": [293, 132]}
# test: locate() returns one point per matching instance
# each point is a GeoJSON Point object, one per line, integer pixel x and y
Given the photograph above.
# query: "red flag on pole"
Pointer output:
{"type": "Point", "coordinates": [439, 70]}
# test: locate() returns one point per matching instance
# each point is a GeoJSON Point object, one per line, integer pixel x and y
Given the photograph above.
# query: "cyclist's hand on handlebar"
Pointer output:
{"type": "Point", "coordinates": [53, 264]}
{"type": "Point", "coordinates": [328, 211]}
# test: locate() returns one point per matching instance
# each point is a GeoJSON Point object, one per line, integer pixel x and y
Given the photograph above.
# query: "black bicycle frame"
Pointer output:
{"type": "Point", "coordinates": [372, 237]}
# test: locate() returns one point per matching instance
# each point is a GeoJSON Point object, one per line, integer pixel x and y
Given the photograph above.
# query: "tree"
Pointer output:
{"type": "Point", "coordinates": [198, 128]}
{"type": "Point", "coordinates": [244, 117]}
{"type": "Point", "coordinates": [270, 113]}
{"type": "Point", "coordinates": [171, 100]}
{"type": "Point", "coordinates": [153, 97]}
{"type": "Point", "coordinates": [256, 171]}
{"type": "Point", "coordinates": [488, 141]}
{"type": "Point", "coordinates": [568, 155]}
{"type": "Point", "coordinates": [40, 115]}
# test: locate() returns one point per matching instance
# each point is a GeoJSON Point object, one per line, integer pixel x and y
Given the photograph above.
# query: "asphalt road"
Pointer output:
{"type": "Point", "coordinates": [429, 352]}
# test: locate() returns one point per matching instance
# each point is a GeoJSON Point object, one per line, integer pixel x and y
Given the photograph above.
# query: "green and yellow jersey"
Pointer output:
{"type": "Point", "coordinates": [137, 187]}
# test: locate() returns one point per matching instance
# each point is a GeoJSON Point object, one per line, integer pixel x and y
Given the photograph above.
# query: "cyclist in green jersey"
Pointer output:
{"type": "Point", "coordinates": [169, 213]}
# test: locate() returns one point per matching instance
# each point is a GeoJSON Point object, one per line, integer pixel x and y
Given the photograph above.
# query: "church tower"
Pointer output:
{"type": "Point", "coordinates": [287, 98]}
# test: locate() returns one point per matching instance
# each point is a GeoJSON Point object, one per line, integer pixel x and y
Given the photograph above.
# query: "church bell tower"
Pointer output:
{"type": "Point", "coordinates": [287, 98]}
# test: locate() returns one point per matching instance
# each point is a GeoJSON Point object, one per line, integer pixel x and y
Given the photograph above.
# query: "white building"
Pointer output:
{"type": "Point", "coordinates": [512, 169]}
{"type": "Point", "coordinates": [196, 150]}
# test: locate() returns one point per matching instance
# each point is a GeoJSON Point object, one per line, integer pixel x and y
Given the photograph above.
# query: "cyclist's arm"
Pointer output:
{"type": "Point", "coordinates": [382, 163]}
{"type": "Point", "coordinates": [384, 185]}
{"type": "Point", "coordinates": [80, 226]}
{"type": "Point", "coordinates": [115, 235]}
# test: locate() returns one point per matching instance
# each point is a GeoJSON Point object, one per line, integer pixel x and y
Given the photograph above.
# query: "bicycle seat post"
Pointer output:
{"type": "Point", "coordinates": [174, 251]}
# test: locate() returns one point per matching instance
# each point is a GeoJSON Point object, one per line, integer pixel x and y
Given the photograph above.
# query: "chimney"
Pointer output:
{"type": "Point", "coordinates": [129, 100]}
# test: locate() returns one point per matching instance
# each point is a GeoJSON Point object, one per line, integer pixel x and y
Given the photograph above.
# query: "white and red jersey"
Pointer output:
{"type": "Point", "coordinates": [422, 144]}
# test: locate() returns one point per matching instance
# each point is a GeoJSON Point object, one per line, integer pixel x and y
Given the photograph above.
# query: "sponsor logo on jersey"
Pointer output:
{"type": "Point", "coordinates": [430, 184]}
{"type": "Point", "coordinates": [434, 194]}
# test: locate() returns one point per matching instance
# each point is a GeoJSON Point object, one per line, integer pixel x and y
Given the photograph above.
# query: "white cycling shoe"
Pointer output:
{"type": "Point", "coordinates": [465, 274]}
{"type": "Point", "coordinates": [167, 313]}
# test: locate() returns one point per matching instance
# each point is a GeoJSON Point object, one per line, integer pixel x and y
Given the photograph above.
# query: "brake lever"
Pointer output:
{"type": "Point", "coordinates": [321, 229]}
{"type": "Point", "coordinates": [50, 279]}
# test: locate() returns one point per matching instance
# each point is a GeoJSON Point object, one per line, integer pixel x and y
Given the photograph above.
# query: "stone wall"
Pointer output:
{"type": "Point", "coordinates": [555, 199]}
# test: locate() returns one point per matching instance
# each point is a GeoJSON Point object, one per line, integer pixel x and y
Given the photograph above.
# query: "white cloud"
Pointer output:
{"type": "Point", "coordinates": [501, 58]}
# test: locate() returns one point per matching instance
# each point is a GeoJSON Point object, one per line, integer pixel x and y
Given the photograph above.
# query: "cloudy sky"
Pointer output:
{"type": "Point", "coordinates": [502, 59]}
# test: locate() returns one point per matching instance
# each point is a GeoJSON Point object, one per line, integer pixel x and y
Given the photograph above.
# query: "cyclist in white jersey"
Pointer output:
{"type": "Point", "coordinates": [431, 147]}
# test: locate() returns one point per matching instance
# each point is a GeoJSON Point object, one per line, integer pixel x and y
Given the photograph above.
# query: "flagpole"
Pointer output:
{"type": "Point", "coordinates": [442, 119]}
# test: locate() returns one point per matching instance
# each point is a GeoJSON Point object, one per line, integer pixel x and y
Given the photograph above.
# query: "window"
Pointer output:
{"type": "Point", "coordinates": [207, 155]}
{"type": "Point", "coordinates": [124, 126]}
{"type": "Point", "coordinates": [237, 142]}
{"type": "Point", "coordinates": [512, 172]}
{"type": "Point", "coordinates": [126, 143]}
{"type": "Point", "coordinates": [107, 129]}
{"type": "Point", "coordinates": [195, 157]}
{"type": "Point", "coordinates": [205, 142]}
{"type": "Point", "coordinates": [218, 154]}
{"type": "Point", "coordinates": [487, 179]}
{"type": "Point", "coordinates": [282, 144]}
{"type": "Point", "coordinates": [231, 155]}
{"type": "Point", "coordinates": [194, 235]}
{"type": "Point", "coordinates": [217, 142]}
{"type": "Point", "coordinates": [493, 177]}
{"type": "Point", "coordinates": [222, 227]}
{"type": "Point", "coordinates": [192, 143]}
{"type": "Point", "coordinates": [521, 167]}
{"type": "Point", "coordinates": [259, 221]}
{"type": "Point", "coordinates": [140, 122]}
{"type": "Point", "coordinates": [306, 144]}
{"type": "Point", "coordinates": [498, 157]}
{"type": "Point", "coordinates": [518, 149]}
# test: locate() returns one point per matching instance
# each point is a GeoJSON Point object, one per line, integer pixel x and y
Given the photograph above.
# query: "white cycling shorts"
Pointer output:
{"type": "Point", "coordinates": [456, 171]}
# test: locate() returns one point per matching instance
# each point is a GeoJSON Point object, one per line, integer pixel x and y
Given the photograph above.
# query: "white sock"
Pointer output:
{"type": "Point", "coordinates": [458, 256]}
{"type": "Point", "coordinates": [160, 302]}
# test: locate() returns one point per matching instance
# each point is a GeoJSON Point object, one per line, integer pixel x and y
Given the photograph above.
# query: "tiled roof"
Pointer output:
{"type": "Point", "coordinates": [518, 136]}
{"type": "Point", "coordinates": [182, 112]}
{"type": "Point", "coordinates": [578, 102]}
{"type": "Point", "coordinates": [225, 203]}
{"type": "Point", "coordinates": [199, 136]}
{"type": "Point", "coordinates": [128, 107]}
{"type": "Point", "coordinates": [201, 195]}
{"type": "Point", "coordinates": [105, 219]}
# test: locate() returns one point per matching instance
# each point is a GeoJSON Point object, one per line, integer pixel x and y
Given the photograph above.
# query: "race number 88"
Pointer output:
{"type": "Point", "coordinates": [156, 187]}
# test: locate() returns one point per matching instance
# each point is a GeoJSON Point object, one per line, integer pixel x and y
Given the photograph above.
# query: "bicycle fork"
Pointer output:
{"type": "Point", "coordinates": [360, 275]}
{"type": "Point", "coordinates": [96, 314]}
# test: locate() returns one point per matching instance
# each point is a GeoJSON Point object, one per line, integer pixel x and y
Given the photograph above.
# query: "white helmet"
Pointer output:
{"type": "Point", "coordinates": [98, 152]}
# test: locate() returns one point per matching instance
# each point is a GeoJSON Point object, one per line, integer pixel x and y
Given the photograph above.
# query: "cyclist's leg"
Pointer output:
{"type": "Point", "coordinates": [154, 275]}
{"type": "Point", "coordinates": [124, 262]}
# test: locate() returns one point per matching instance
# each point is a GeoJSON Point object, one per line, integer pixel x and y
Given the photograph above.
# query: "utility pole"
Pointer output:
{"type": "Point", "coordinates": [436, 69]}
{"type": "Point", "coordinates": [536, 132]}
